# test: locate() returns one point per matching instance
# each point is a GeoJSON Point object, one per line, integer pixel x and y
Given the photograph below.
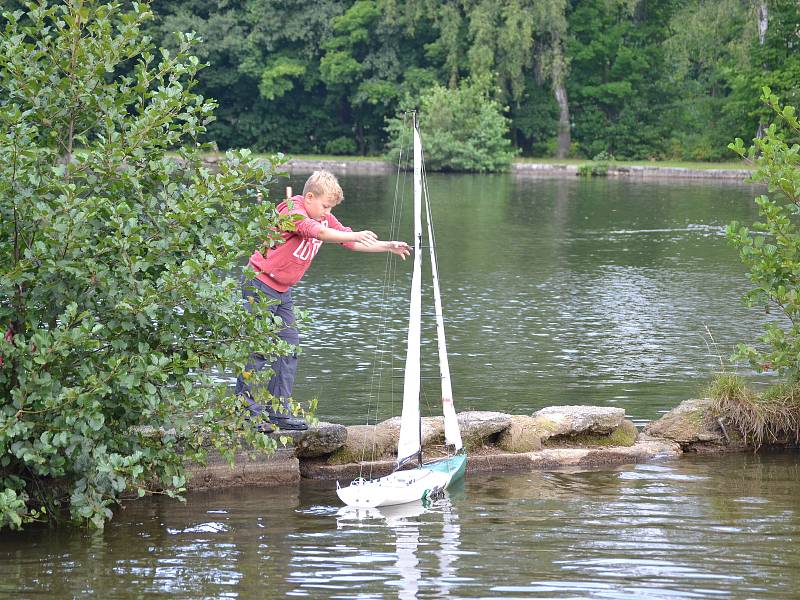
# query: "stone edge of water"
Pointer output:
{"type": "Point", "coordinates": [688, 428]}
{"type": "Point", "coordinates": [284, 468]}
{"type": "Point", "coordinates": [492, 460]}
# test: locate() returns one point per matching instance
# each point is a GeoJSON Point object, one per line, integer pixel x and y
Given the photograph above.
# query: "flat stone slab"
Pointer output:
{"type": "Point", "coordinates": [377, 442]}
{"type": "Point", "coordinates": [523, 435]}
{"type": "Point", "coordinates": [643, 171]}
{"type": "Point", "coordinates": [317, 440]}
{"type": "Point", "coordinates": [320, 469]}
{"type": "Point", "coordinates": [348, 166]}
{"type": "Point", "coordinates": [692, 425]}
{"type": "Point", "coordinates": [645, 448]}
{"type": "Point", "coordinates": [363, 442]}
{"type": "Point", "coordinates": [280, 468]}
{"type": "Point", "coordinates": [432, 429]}
{"type": "Point", "coordinates": [574, 420]}
{"type": "Point", "coordinates": [478, 425]}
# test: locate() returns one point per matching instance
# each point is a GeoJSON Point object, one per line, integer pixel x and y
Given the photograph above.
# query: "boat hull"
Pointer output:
{"type": "Point", "coordinates": [400, 487]}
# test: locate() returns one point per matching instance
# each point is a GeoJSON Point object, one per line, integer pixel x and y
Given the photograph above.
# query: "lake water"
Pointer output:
{"type": "Point", "coordinates": [556, 291]}
{"type": "Point", "coordinates": [697, 527]}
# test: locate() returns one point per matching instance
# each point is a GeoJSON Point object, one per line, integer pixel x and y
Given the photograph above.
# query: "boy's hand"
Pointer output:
{"type": "Point", "coordinates": [366, 237]}
{"type": "Point", "coordinates": [400, 248]}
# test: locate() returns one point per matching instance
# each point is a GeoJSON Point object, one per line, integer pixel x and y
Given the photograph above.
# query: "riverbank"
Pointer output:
{"type": "Point", "coordinates": [541, 168]}
{"type": "Point", "coordinates": [631, 171]}
{"type": "Point", "coordinates": [554, 438]}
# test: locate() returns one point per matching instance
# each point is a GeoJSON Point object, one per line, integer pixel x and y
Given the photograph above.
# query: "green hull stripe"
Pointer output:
{"type": "Point", "coordinates": [454, 466]}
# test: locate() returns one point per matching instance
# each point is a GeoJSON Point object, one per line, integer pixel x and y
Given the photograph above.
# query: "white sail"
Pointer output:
{"type": "Point", "coordinates": [452, 433]}
{"type": "Point", "coordinates": [410, 441]}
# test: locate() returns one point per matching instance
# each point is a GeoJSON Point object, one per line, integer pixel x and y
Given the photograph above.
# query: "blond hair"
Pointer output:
{"type": "Point", "coordinates": [324, 183]}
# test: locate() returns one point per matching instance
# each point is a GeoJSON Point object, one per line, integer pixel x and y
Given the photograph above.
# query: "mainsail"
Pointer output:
{"type": "Point", "coordinates": [410, 442]}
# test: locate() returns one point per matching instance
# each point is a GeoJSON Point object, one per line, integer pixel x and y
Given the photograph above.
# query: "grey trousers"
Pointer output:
{"type": "Point", "coordinates": [284, 367]}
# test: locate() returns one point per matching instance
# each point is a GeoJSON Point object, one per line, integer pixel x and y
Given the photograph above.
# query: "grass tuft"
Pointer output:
{"type": "Point", "coordinates": [770, 417]}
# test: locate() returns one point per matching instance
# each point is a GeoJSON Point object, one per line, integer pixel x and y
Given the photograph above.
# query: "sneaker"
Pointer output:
{"type": "Point", "coordinates": [286, 421]}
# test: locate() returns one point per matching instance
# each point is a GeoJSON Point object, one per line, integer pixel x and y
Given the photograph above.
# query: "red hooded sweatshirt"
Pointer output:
{"type": "Point", "coordinates": [286, 263]}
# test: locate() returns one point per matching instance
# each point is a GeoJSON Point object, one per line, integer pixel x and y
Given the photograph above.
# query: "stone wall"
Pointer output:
{"type": "Point", "coordinates": [377, 166]}
{"type": "Point", "coordinates": [553, 438]}
{"type": "Point", "coordinates": [633, 172]}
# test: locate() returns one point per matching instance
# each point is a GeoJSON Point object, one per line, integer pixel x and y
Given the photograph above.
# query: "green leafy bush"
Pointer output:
{"type": "Point", "coordinates": [593, 169]}
{"type": "Point", "coordinates": [463, 130]}
{"type": "Point", "coordinates": [771, 247]}
{"type": "Point", "coordinates": [341, 146]}
{"type": "Point", "coordinates": [118, 265]}
{"type": "Point", "coordinates": [601, 163]}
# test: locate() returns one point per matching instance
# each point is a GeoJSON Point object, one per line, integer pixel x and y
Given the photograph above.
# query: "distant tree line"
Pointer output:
{"type": "Point", "coordinates": [634, 79]}
{"type": "Point", "coordinates": [631, 78]}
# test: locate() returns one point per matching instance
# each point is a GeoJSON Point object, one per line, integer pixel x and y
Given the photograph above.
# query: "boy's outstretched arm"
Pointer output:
{"type": "Point", "coordinates": [329, 234]}
{"type": "Point", "coordinates": [401, 249]}
{"type": "Point", "coordinates": [365, 241]}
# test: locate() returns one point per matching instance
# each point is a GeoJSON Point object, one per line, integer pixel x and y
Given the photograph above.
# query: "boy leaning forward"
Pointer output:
{"type": "Point", "coordinates": [282, 267]}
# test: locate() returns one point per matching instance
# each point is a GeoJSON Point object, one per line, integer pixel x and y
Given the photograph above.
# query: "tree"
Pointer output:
{"type": "Point", "coordinates": [618, 89]}
{"type": "Point", "coordinates": [290, 108]}
{"type": "Point", "coordinates": [762, 14]}
{"type": "Point", "coordinates": [709, 41]}
{"type": "Point", "coordinates": [223, 27]}
{"type": "Point", "coordinates": [464, 130]}
{"type": "Point", "coordinates": [362, 68]}
{"type": "Point", "coordinates": [635, 78]}
{"type": "Point", "coordinates": [773, 61]}
{"type": "Point", "coordinates": [118, 264]}
{"type": "Point", "coordinates": [553, 65]}
{"type": "Point", "coordinates": [771, 248]}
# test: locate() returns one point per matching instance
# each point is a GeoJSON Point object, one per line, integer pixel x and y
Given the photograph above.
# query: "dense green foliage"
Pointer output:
{"type": "Point", "coordinates": [771, 248]}
{"type": "Point", "coordinates": [636, 79]}
{"type": "Point", "coordinates": [618, 86]}
{"type": "Point", "coordinates": [116, 294]}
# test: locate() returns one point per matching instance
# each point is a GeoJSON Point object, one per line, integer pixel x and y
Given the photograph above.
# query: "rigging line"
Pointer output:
{"type": "Point", "coordinates": [376, 375]}
{"type": "Point", "coordinates": [388, 287]}
{"type": "Point", "coordinates": [429, 217]}
{"type": "Point", "coordinates": [406, 142]}
{"type": "Point", "coordinates": [428, 406]}
{"type": "Point", "coordinates": [400, 199]}
{"type": "Point", "coordinates": [393, 263]}
{"type": "Point", "coordinates": [399, 203]}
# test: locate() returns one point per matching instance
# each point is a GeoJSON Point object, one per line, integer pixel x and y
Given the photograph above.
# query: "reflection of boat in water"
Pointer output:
{"type": "Point", "coordinates": [409, 522]}
{"type": "Point", "coordinates": [394, 514]}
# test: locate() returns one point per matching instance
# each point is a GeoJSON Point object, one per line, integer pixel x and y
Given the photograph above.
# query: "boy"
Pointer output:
{"type": "Point", "coordinates": [283, 266]}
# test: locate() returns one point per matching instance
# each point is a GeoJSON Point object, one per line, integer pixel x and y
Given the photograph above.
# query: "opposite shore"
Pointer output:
{"type": "Point", "coordinates": [538, 168]}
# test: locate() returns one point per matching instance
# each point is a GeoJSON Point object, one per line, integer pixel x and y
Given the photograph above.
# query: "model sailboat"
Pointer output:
{"type": "Point", "coordinates": [425, 480]}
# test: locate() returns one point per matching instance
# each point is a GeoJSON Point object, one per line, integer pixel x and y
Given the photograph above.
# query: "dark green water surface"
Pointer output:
{"type": "Point", "coordinates": [696, 527]}
{"type": "Point", "coordinates": [555, 291]}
